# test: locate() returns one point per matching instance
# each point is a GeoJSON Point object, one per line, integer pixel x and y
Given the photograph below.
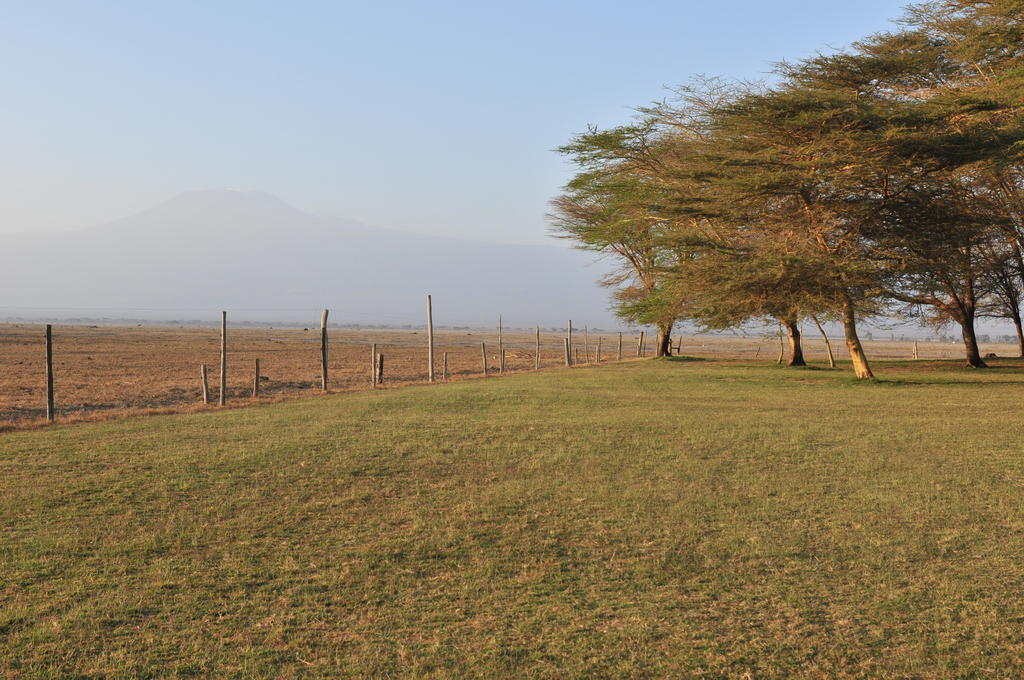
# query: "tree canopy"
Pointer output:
{"type": "Point", "coordinates": [886, 179]}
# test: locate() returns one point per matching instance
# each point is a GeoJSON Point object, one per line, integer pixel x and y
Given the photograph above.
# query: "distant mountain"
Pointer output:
{"type": "Point", "coordinates": [261, 259]}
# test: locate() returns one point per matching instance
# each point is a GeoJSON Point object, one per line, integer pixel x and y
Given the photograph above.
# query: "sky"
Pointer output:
{"type": "Point", "coordinates": [433, 117]}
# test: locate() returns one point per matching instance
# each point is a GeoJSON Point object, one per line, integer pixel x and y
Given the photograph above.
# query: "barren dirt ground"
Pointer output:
{"type": "Point", "coordinates": [102, 371]}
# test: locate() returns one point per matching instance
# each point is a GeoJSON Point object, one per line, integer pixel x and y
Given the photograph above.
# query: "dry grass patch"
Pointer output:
{"type": "Point", "coordinates": [645, 520]}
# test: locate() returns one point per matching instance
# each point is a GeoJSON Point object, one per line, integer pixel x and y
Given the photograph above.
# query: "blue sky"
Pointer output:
{"type": "Point", "coordinates": [431, 117]}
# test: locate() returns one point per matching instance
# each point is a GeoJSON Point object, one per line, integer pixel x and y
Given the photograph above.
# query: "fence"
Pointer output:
{"type": "Point", "coordinates": [97, 369]}
{"type": "Point", "coordinates": [81, 371]}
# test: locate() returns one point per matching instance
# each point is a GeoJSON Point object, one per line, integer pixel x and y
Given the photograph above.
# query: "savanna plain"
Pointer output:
{"type": "Point", "coordinates": [690, 517]}
{"type": "Point", "coordinates": [107, 371]}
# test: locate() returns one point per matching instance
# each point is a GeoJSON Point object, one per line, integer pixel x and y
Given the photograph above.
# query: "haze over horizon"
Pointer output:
{"type": "Point", "coordinates": [264, 260]}
{"type": "Point", "coordinates": [248, 251]}
{"type": "Point", "coordinates": [255, 192]}
{"type": "Point", "coordinates": [436, 119]}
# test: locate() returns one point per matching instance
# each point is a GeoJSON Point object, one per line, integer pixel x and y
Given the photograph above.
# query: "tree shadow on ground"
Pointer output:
{"type": "Point", "coordinates": [952, 381]}
{"type": "Point", "coordinates": [810, 367]}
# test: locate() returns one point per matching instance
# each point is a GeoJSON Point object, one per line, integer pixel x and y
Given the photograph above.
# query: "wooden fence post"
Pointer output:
{"type": "Point", "coordinates": [569, 337]}
{"type": "Point", "coordinates": [430, 340]}
{"type": "Point", "coordinates": [49, 374]}
{"type": "Point", "coordinates": [598, 357]}
{"type": "Point", "coordinates": [323, 351]}
{"type": "Point", "coordinates": [568, 361]}
{"type": "Point", "coordinates": [206, 383]}
{"type": "Point", "coordinates": [577, 357]}
{"type": "Point", "coordinates": [444, 366]}
{"type": "Point", "coordinates": [916, 356]}
{"type": "Point", "coordinates": [501, 349]}
{"type": "Point", "coordinates": [536, 358]}
{"type": "Point", "coordinates": [586, 344]}
{"type": "Point", "coordinates": [618, 356]}
{"type": "Point", "coordinates": [380, 368]}
{"type": "Point", "coordinates": [223, 398]}
{"type": "Point", "coordinates": [639, 343]}
{"type": "Point", "coordinates": [256, 381]}
{"type": "Point", "coordinates": [483, 356]}
{"type": "Point", "coordinates": [373, 364]}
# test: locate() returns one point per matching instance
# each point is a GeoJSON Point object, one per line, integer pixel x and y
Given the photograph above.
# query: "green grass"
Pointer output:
{"type": "Point", "coordinates": [644, 520]}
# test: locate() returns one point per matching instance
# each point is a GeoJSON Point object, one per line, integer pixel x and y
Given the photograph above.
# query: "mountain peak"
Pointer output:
{"type": "Point", "coordinates": [214, 211]}
{"type": "Point", "coordinates": [250, 252]}
{"type": "Point", "coordinates": [213, 201]}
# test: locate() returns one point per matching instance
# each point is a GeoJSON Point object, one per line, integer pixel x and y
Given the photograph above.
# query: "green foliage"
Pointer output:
{"type": "Point", "coordinates": [618, 205]}
{"type": "Point", "coordinates": [885, 175]}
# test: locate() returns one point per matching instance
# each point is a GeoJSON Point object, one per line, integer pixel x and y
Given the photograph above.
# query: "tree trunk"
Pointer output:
{"type": "Point", "coordinates": [796, 352]}
{"type": "Point", "coordinates": [967, 310]}
{"type": "Point", "coordinates": [1020, 333]}
{"type": "Point", "coordinates": [971, 350]}
{"type": "Point", "coordinates": [1019, 257]}
{"type": "Point", "coordinates": [860, 360]}
{"type": "Point", "coordinates": [664, 341]}
{"type": "Point", "coordinates": [828, 345]}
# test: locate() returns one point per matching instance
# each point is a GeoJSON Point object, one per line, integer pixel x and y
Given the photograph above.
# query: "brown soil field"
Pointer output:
{"type": "Point", "coordinates": [108, 371]}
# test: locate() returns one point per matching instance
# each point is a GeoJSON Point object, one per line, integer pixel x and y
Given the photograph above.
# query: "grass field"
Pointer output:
{"type": "Point", "coordinates": [656, 519]}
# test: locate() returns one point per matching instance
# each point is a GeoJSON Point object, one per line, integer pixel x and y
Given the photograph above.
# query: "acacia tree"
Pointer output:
{"type": "Point", "coordinates": [612, 207]}
{"type": "Point", "coordinates": [1002, 279]}
{"type": "Point", "coordinates": [1006, 184]}
{"type": "Point", "coordinates": [927, 120]}
{"type": "Point", "coordinates": [735, 197]}
{"type": "Point", "coordinates": [1006, 271]}
{"type": "Point", "coordinates": [960, 218]}
{"type": "Point", "coordinates": [741, 286]}
{"type": "Point", "coordinates": [888, 172]}
{"type": "Point", "coordinates": [786, 165]}
{"type": "Point", "coordinates": [984, 37]}
{"type": "Point", "coordinates": [933, 228]}
{"type": "Point", "coordinates": [940, 249]}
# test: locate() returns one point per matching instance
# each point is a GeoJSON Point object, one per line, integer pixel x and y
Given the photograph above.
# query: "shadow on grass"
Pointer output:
{"type": "Point", "coordinates": [945, 371]}
{"type": "Point", "coordinates": [892, 372]}
{"type": "Point", "coordinates": [949, 372]}
{"type": "Point", "coordinates": [945, 364]}
{"type": "Point", "coordinates": [810, 367]}
{"type": "Point", "coordinates": [952, 381]}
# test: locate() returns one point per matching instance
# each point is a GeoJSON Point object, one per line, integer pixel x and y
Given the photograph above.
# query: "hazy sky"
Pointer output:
{"type": "Point", "coordinates": [437, 117]}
